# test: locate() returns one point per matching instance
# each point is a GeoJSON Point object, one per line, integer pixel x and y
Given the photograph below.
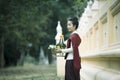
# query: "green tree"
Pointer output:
{"type": "Point", "coordinates": [3, 29]}
{"type": "Point", "coordinates": [32, 21]}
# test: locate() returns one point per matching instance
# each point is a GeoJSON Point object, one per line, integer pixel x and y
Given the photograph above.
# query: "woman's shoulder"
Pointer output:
{"type": "Point", "coordinates": [75, 33]}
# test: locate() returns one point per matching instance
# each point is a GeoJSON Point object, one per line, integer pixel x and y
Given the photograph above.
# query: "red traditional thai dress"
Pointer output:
{"type": "Point", "coordinates": [73, 59]}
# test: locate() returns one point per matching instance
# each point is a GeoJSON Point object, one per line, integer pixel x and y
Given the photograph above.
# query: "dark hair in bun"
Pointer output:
{"type": "Point", "coordinates": [74, 21]}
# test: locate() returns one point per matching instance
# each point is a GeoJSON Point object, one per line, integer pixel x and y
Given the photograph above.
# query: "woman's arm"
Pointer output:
{"type": "Point", "coordinates": [67, 50]}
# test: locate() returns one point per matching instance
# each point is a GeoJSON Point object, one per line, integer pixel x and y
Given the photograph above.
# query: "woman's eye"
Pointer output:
{"type": "Point", "coordinates": [69, 24]}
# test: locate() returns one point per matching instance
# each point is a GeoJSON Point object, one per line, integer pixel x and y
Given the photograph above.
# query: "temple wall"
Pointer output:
{"type": "Point", "coordinates": [100, 47]}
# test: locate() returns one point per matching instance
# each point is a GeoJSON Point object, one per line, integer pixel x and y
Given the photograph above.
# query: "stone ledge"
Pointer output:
{"type": "Point", "coordinates": [89, 72]}
{"type": "Point", "coordinates": [102, 53]}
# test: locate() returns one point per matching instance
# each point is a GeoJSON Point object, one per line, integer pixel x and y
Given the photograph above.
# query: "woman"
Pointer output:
{"type": "Point", "coordinates": [73, 60]}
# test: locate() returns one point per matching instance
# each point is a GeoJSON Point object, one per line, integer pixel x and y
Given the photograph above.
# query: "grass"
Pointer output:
{"type": "Point", "coordinates": [30, 72]}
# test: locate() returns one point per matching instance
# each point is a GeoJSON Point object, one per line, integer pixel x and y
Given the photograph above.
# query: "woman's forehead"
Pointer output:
{"type": "Point", "coordinates": [69, 22]}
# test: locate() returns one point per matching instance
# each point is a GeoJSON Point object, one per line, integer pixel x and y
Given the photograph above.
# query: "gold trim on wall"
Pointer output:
{"type": "Point", "coordinates": [115, 8]}
{"type": "Point", "coordinates": [103, 19]}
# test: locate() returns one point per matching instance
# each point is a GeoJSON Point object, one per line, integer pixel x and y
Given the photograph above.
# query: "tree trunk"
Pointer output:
{"type": "Point", "coordinates": [22, 57]}
{"type": "Point", "coordinates": [2, 62]}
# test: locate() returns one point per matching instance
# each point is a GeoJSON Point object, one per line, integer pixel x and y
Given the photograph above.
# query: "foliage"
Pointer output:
{"type": "Point", "coordinates": [34, 21]}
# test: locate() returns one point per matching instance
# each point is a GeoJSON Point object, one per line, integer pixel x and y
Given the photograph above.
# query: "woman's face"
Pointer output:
{"type": "Point", "coordinates": [70, 26]}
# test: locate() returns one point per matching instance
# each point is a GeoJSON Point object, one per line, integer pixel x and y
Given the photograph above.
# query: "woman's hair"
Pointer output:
{"type": "Point", "coordinates": [74, 21]}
